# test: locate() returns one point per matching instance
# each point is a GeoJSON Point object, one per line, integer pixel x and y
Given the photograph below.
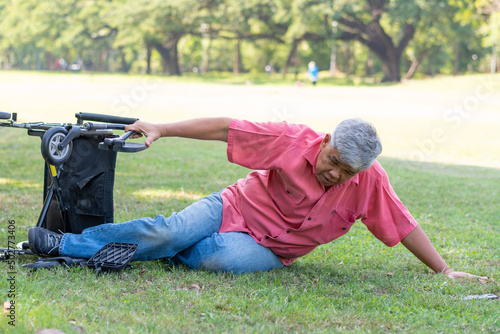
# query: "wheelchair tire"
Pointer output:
{"type": "Point", "coordinates": [5, 115]}
{"type": "Point", "coordinates": [50, 142]}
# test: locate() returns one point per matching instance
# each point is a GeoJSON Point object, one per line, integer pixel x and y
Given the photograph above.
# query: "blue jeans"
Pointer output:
{"type": "Point", "coordinates": [190, 236]}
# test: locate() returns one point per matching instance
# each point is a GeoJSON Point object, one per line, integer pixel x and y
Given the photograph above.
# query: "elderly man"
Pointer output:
{"type": "Point", "coordinates": [307, 189]}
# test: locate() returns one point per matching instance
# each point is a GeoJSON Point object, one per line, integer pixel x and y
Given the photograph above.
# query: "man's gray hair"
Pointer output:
{"type": "Point", "coordinates": [357, 143]}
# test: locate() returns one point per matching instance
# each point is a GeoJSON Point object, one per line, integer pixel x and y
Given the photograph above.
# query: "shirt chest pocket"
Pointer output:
{"type": "Point", "coordinates": [288, 201]}
{"type": "Point", "coordinates": [340, 222]}
{"type": "Point", "coordinates": [286, 196]}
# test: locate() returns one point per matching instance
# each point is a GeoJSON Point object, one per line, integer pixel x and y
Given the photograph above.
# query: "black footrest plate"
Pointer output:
{"type": "Point", "coordinates": [112, 257]}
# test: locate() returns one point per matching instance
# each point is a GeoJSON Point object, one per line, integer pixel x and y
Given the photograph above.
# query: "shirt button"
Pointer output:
{"type": "Point", "coordinates": [344, 228]}
{"type": "Point", "coordinates": [309, 218]}
{"type": "Point", "coordinates": [288, 191]}
{"type": "Point", "coordinates": [288, 231]}
{"type": "Point", "coordinates": [267, 237]}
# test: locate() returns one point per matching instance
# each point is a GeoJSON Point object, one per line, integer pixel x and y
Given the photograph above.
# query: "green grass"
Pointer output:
{"type": "Point", "coordinates": [354, 284]}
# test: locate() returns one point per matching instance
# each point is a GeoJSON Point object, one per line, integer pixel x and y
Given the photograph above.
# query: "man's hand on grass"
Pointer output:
{"type": "Point", "coordinates": [460, 274]}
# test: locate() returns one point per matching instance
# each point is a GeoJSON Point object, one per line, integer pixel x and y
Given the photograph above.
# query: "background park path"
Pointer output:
{"type": "Point", "coordinates": [449, 120]}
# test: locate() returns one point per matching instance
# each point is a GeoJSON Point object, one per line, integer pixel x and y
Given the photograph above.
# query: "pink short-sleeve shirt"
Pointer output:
{"type": "Point", "coordinates": [282, 205]}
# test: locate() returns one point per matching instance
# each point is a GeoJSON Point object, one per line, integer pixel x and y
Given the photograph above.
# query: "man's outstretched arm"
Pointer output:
{"type": "Point", "coordinates": [419, 244]}
{"type": "Point", "coordinates": [216, 128]}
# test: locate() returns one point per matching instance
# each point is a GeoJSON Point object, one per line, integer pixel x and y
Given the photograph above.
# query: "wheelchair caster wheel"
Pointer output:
{"type": "Point", "coordinates": [51, 151]}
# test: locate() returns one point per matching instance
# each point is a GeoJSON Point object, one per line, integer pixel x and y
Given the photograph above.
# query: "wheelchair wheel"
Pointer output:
{"type": "Point", "coordinates": [50, 146]}
{"type": "Point", "coordinates": [4, 115]}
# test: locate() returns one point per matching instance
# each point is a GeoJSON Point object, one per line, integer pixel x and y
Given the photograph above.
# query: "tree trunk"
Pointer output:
{"type": "Point", "coordinates": [369, 64]}
{"type": "Point", "coordinates": [237, 57]}
{"type": "Point", "coordinates": [392, 72]}
{"type": "Point", "coordinates": [102, 61]}
{"type": "Point", "coordinates": [348, 55]}
{"type": "Point", "coordinates": [148, 58]}
{"type": "Point", "coordinates": [205, 61]}
{"type": "Point", "coordinates": [498, 63]}
{"type": "Point", "coordinates": [174, 65]}
{"type": "Point", "coordinates": [456, 62]}
{"type": "Point", "coordinates": [493, 63]}
{"type": "Point", "coordinates": [390, 57]}
{"type": "Point", "coordinates": [111, 60]}
{"type": "Point", "coordinates": [373, 35]}
{"type": "Point", "coordinates": [389, 54]}
{"type": "Point", "coordinates": [38, 60]}
{"type": "Point", "coordinates": [50, 61]}
{"type": "Point", "coordinates": [416, 63]}
{"type": "Point", "coordinates": [333, 59]}
{"type": "Point", "coordinates": [169, 56]}
{"type": "Point", "coordinates": [124, 66]}
{"type": "Point", "coordinates": [291, 56]}
{"type": "Point", "coordinates": [430, 67]}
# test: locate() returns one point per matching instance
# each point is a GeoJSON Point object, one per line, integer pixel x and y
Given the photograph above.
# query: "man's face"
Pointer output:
{"type": "Point", "coordinates": [330, 170]}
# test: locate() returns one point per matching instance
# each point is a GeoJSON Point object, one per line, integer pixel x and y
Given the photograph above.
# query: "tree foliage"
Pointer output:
{"type": "Point", "coordinates": [386, 38]}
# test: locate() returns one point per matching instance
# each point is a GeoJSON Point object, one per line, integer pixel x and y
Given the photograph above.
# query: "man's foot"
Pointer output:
{"type": "Point", "coordinates": [44, 242]}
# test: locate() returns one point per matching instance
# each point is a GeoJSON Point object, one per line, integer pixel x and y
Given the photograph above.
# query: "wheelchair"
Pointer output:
{"type": "Point", "coordinates": [80, 162]}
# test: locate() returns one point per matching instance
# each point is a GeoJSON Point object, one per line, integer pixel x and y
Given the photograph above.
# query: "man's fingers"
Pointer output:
{"type": "Point", "coordinates": [139, 128]}
{"type": "Point", "coordinates": [481, 278]}
{"type": "Point", "coordinates": [131, 127]}
{"type": "Point", "coordinates": [459, 274]}
{"type": "Point", "coordinates": [136, 135]}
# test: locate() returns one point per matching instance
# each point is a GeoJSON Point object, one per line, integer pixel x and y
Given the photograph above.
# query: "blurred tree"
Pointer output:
{"type": "Point", "coordinates": [302, 20]}
{"type": "Point", "coordinates": [159, 25]}
{"type": "Point", "coordinates": [372, 21]}
{"type": "Point", "coordinates": [489, 10]}
{"type": "Point", "coordinates": [58, 29]}
{"type": "Point", "coordinates": [442, 25]}
{"type": "Point", "coordinates": [17, 27]}
{"type": "Point", "coordinates": [247, 35]}
{"type": "Point", "coordinates": [4, 61]}
{"type": "Point", "coordinates": [246, 20]}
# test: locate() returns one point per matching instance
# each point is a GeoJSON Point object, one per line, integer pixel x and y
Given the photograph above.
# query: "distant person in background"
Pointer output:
{"type": "Point", "coordinates": [313, 72]}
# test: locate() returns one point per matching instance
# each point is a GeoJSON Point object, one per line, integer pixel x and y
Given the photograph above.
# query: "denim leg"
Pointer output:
{"type": "Point", "coordinates": [157, 237]}
{"type": "Point", "coordinates": [229, 252]}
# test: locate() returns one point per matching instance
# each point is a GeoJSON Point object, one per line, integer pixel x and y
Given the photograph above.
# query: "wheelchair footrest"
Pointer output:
{"type": "Point", "coordinates": [112, 257]}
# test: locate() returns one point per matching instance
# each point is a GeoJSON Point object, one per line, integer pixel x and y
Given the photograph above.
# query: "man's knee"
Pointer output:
{"type": "Point", "coordinates": [218, 256]}
{"type": "Point", "coordinates": [230, 253]}
{"type": "Point", "coordinates": [217, 264]}
{"type": "Point", "coordinates": [236, 266]}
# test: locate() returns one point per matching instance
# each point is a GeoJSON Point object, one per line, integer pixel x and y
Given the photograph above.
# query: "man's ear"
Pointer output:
{"type": "Point", "coordinates": [325, 141]}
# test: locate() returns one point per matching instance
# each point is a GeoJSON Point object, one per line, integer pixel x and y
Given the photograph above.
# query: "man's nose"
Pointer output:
{"type": "Point", "coordinates": [335, 174]}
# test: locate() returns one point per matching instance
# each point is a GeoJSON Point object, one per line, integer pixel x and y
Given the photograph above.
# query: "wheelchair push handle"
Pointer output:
{"type": "Point", "coordinates": [126, 135]}
{"type": "Point", "coordinates": [119, 144]}
{"type": "Point", "coordinates": [83, 116]}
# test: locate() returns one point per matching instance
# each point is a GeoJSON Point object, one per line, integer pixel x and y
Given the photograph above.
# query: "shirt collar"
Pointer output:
{"type": "Point", "coordinates": [311, 153]}
{"type": "Point", "coordinates": [355, 179]}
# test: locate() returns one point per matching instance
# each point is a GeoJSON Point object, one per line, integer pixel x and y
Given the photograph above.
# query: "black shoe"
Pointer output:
{"type": "Point", "coordinates": [44, 242]}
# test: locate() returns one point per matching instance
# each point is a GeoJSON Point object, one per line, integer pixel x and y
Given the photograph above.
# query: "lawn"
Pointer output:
{"type": "Point", "coordinates": [355, 284]}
